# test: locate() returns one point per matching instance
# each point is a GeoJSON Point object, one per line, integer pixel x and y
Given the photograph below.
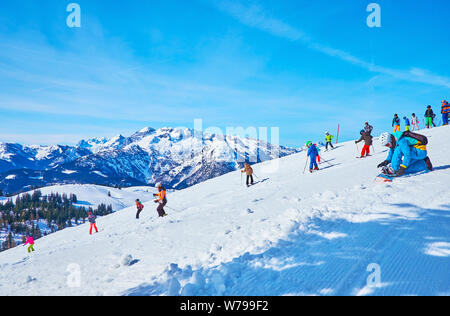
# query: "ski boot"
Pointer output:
{"type": "Point", "coordinates": [387, 170]}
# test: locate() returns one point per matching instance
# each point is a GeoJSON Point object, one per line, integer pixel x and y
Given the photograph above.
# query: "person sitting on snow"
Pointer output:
{"type": "Point", "coordinates": [408, 154]}
{"type": "Point", "coordinates": [313, 153]}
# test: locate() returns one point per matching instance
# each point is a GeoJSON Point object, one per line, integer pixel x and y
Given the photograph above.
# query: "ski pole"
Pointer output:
{"type": "Point", "coordinates": [304, 170]}
{"type": "Point", "coordinates": [170, 208]}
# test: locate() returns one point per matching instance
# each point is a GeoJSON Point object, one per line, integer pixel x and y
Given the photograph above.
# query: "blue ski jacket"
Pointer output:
{"type": "Point", "coordinates": [313, 152]}
{"type": "Point", "coordinates": [407, 122]}
{"type": "Point", "coordinates": [407, 154]}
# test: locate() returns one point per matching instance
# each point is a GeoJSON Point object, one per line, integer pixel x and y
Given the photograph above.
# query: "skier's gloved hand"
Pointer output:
{"type": "Point", "coordinates": [401, 172]}
{"type": "Point", "coordinates": [383, 164]}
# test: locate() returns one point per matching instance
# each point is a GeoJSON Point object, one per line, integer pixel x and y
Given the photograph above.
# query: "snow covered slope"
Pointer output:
{"type": "Point", "coordinates": [90, 195]}
{"type": "Point", "coordinates": [291, 234]}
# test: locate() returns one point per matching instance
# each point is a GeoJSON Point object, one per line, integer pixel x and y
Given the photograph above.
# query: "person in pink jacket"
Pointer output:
{"type": "Point", "coordinates": [30, 241]}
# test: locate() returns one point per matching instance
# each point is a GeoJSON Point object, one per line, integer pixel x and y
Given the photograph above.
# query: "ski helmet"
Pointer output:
{"type": "Point", "coordinates": [158, 185]}
{"type": "Point", "coordinates": [308, 144]}
{"type": "Point", "coordinates": [385, 139]}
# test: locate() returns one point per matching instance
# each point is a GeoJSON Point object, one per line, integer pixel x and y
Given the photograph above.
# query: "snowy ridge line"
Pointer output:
{"type": "Point", "coordinates": [177, 157]}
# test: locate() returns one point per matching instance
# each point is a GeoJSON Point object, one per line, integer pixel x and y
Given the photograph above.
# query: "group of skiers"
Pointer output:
{"type": "Point", "coordinates": [161, 201]}
{"type": "Point", "coordinates": [413, 123]}
{"type": "Point", "coordinates": [407, 150]}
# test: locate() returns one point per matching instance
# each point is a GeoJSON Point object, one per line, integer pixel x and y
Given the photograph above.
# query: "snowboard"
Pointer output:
{"type": "Point", "coordinates": [382, 178]}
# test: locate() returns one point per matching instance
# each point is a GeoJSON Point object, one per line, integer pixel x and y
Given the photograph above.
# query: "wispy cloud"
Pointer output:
{"type": "Point", "coordinates": [256, 17]}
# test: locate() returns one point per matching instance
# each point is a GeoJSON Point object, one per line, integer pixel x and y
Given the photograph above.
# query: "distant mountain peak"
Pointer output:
{"type": "Point", "coordinates": [178, 157]}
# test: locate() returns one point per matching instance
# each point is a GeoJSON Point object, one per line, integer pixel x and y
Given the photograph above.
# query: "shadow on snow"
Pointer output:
{"type": "Point", "coordinates": [310, 264]}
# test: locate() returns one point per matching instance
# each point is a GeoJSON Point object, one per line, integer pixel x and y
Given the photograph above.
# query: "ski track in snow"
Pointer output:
{"type": "Point", "coordinates": [294, 234]}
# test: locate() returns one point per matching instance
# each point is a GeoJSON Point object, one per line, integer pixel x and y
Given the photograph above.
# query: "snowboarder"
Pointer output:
{"type": "Point", "coordinates": [368, 128]}
{"type": "Point", "coordinates": [415, 122]}
{"type": "Point", "coordinates": [429, 115]}
{"type": "Point", "coordinates": [313, 153]}
{"type": "Point", "coordinates": [367, 138]}
{"type": "Point", "coordinates": [408, 154]}
{"type": "Point", "coordinates": [139, 207]}
{"type": "Point", "coordinates": [445, 110]}
{"type": "Point", "coordinates": [30, 241]}
{"type": "Point", "coordinates": [249, 171]}
{"type": "Point", "coordinates": [92, 219]}
{"type": "Point", "coordinates": [396, 123]}
{"type": "Point", "coordinates": [162, 199]}
{"type": "Point", "coordinates": [407, 123]}
{"type": "Point", "coordinates": [328, 139]}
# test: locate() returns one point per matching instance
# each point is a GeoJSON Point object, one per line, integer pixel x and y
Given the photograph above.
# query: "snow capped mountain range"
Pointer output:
{"type": "Point", "coordinates": [177, 157]}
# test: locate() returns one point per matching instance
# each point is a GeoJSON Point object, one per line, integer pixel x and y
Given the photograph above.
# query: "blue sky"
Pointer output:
{"type": "Point", "coordinates": [302, 66]}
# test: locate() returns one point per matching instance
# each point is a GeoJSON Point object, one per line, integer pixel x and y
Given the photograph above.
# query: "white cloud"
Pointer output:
{"type": "Point", "coordinates": [256, 17]}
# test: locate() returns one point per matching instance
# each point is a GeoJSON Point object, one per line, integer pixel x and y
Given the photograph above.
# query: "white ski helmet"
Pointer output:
{"type": "Point", "coordinates": [385, 139]}
{"type": "Point", "coordinates": [158, 185]}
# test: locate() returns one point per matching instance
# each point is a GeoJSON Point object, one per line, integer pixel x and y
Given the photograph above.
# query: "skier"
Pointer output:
{"type": "Point", "coordinates": [328, 139]}
{"type": "Point", "coordinates": [429, 115]}
{"type": "Point", "coordinates": [408, 154]}
{"type": "Point", "coordinates": [407, 123]}
{"type": "Point", "coordinates": [415, 122]}
{"type": "Point", "coordinates": [30, 241]}
{"type": "Point", "coordinates": [367, 138]}
{"type": "Point", "coordinates": [368, 128]}
{"type": "Point", "coordinates": [445, 110]}
{"type": "Point", "coordinates": [313, 153]}
{"type": "Point", "coordinates": [139, 207]}
{"type": "Point", "coordinates": [162, 200]}
{"type": "Point", "coordinates": [92, 219]}
{"type": "Point", "coordinates": [249, 171]}
{"type": "Point", "coordinates": [396, 123]}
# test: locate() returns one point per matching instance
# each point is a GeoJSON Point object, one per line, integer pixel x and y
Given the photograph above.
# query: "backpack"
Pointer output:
{"type": "Point", "coordinates": [420, 138]}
